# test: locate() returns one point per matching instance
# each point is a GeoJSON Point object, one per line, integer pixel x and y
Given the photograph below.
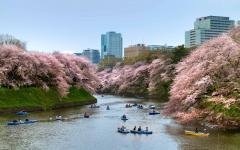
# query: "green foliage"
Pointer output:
{"type": "Point", "coordinates": [178, 53]}
{"type": "Point", "coordinates": [175, 55]}
{"type": "Point", "coordinates": [76, 94]}
{"type": "Point", "coordinates": [232, 111]}
{"type": "Point", "coordinates": [109, 62]}
{"type": "Point", "coordinates": [162, 90]}
{"type": "Point", "coordinates": [37, 98]}
{"type": "Point", "coordinates": [137, 88]}
{"type": "Point", "coordinates": [148, 56]}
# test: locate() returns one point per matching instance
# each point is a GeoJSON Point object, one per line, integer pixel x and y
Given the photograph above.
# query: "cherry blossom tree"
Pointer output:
{"type": "Point", "coordinates": [20, 68]}
{"type": "Point", "coordinates": [215, 61]}
{"type": "Point", "coordinates": [141, 78]}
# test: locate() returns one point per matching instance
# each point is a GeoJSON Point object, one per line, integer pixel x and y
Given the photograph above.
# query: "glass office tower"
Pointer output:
{"type": "Point", "coordinates": [111, 45]}
{"type": "Point", "coordinates": [206, 28]}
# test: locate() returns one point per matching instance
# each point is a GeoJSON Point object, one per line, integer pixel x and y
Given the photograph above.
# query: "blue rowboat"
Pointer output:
{"type": "Point", "coordinates": [154, 113]}
{"type": "Point", "coordinates": [22, 113]}
{"type": "Point", "coordinates": [14, 122]}
{"type": "Point", "coordinates": [124, 131]}
{"type": "Point", "coordinates": [29, 121]}
{"type": "Point", "coordinates": [141, 132]}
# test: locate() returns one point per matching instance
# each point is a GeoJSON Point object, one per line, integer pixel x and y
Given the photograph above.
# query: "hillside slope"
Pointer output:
{"type": "Point", "coordinates": [37, 99]}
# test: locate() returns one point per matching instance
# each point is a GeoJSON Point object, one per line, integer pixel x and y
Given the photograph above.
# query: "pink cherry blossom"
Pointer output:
{"type": "Point", "coordinates": [217, 59]}
{"type": "Point", "coordinates": [20, 68]}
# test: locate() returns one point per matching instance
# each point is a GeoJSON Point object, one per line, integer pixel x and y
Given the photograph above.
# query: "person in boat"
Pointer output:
{"type": "Point", "coordinates": [139, 128]}
{"type": "Point", "coordinates": [108, 108]}
{"type": "Point", "coordinates": [14, 121]}
{"type": "Point", "coordinates": [196, 130]}
{"type": "Point", "coordinates": [124, 116]}
{"type": "Point", "coordinates": [134, 129]}
{"type": "Point", "coordinates": [146, 128]}
{"type": "Point", "coordinates": [27, 120]}
{"type": "Point", "coordinates": [122, 128]}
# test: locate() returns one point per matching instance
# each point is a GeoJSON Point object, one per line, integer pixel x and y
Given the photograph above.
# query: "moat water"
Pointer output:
{"type": "Point", "coordinates": [99, 132]}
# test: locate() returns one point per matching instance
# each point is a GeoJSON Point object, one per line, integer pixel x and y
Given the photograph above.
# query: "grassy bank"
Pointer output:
{"type": "Point", "coordinates": [36, 99]}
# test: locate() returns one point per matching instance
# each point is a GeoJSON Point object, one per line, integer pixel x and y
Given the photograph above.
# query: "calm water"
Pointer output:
{"type": "Point", "coordinates": [99, 131]}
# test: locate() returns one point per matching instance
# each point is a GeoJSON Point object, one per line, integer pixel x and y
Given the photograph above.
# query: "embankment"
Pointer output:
{"type": "Point", "coordinates": [37, 99]}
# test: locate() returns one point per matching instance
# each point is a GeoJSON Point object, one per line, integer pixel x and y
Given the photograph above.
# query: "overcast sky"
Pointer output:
{"type": "Point", "coordinates": [73, 25]}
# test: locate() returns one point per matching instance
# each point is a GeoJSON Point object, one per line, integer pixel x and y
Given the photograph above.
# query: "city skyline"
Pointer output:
{"type": "Point", "coordinates": [44, 26]}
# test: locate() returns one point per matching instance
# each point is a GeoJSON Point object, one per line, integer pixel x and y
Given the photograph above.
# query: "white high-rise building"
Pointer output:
{"type": "Point", "coordinates": [206, 28]}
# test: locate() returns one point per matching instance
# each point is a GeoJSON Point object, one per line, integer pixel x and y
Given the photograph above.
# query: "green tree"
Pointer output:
{"type": "Point", "coordinates": [109, 62]}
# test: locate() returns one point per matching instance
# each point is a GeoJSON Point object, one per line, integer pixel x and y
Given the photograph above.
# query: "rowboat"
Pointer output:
{"type": "Point", "coordinates": [196, 133]}
{"type": "Point", "coordinates": [141, 132]}
{"type": "Point", "coordinates": [123, 130]}
{"type": "Point", "coordinates": [22, 113]}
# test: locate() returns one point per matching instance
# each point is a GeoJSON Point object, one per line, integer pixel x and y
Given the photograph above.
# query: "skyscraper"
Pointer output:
{"type": "Point", "coordinates": [92, 54]}
{"type": "Point", "coordinates": [111, 45]}
{"type": "Point", "coordinates": [206, 28]}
